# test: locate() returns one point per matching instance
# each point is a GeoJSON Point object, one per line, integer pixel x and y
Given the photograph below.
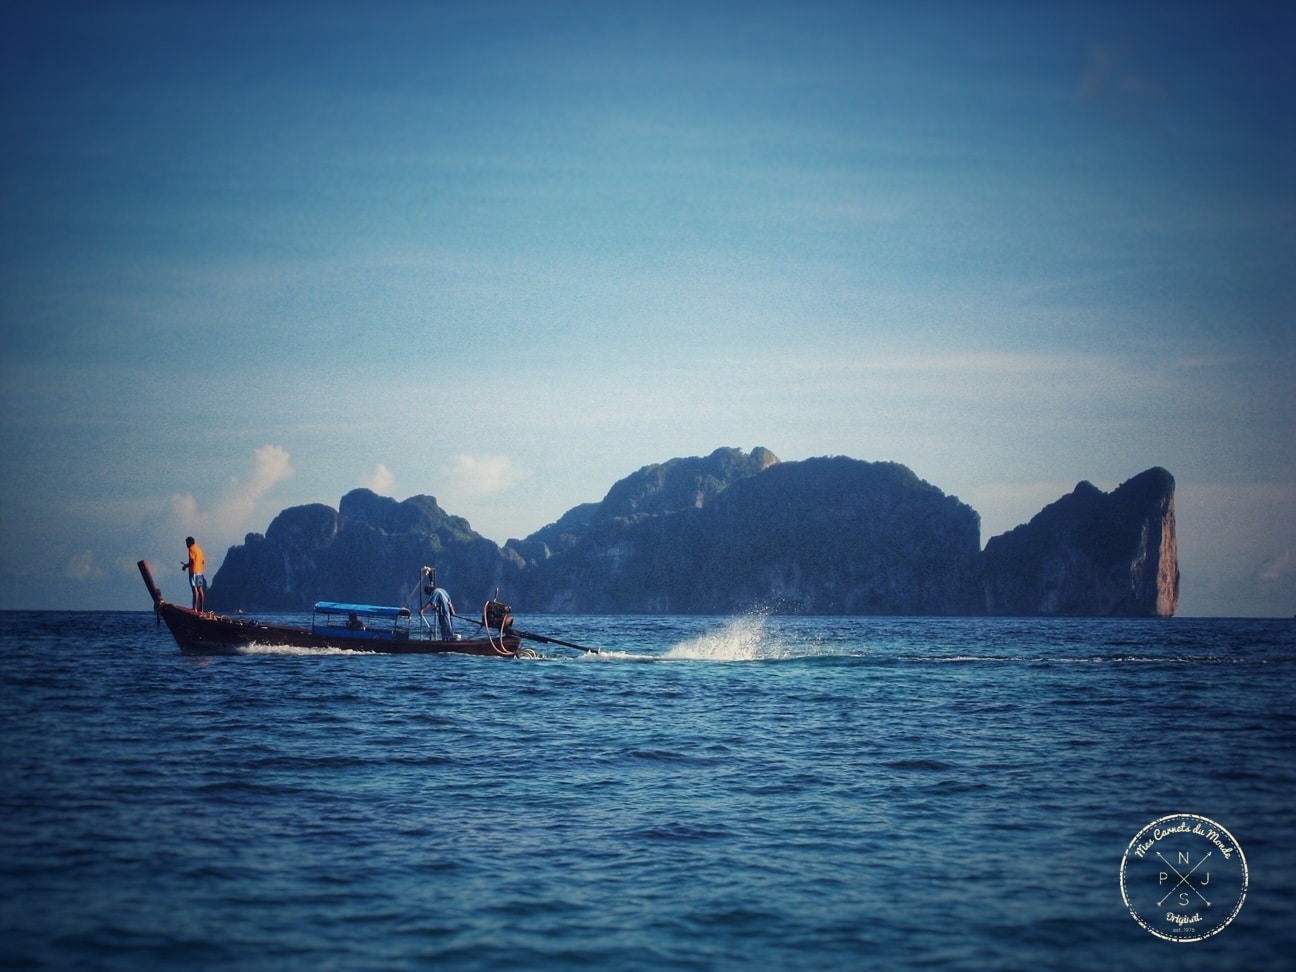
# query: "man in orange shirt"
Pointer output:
{"type": "Point", "coordinates": [196, 564]}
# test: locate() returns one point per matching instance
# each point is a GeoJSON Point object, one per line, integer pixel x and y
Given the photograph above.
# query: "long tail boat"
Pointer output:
{"type": "Point", "coordinates": [334, 624]}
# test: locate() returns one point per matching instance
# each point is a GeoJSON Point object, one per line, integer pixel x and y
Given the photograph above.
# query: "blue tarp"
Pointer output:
{"type": "Point", "coordinates": [373, 610]}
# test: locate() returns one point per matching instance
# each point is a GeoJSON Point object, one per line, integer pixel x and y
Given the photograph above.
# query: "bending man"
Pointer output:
{"type": "Point", "coordinates": [444, 608]}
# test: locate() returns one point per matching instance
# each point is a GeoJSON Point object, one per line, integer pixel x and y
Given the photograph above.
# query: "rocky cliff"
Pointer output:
{"type": "Point", "coordinates": [370, 550]}
{"type": "Point", "coordinates": [1090, 553]}
{"type": "Point", "coordinates": [733, 532]}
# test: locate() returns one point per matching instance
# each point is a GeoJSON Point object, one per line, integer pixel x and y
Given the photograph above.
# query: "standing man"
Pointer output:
{"type": "Point", "coordinates": [196, 564]}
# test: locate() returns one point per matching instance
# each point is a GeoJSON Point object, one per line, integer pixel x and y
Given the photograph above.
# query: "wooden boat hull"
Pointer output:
{"type": "Point", "coordinates": [216, 634]}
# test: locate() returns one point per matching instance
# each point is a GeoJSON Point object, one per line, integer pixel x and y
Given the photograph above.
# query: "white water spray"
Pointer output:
{"type": "Point", "coordinates": [742, 639]}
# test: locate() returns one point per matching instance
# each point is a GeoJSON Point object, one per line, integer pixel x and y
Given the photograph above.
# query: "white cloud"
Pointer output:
{"type": "Point", "coordinates": [1275, 569]}
{"type": "Point", "coordinates": [380, 480]}
{"type": "Point", "coordinates": [1235, 543]}
{"type": "Point", "coordinates": [482, 474]}
{"type": "Point", "coordinates": [1116, 80]}
{"type": "Point", "coordinates": [81, 567]}
{"type": "Point", "coordinates": [238, 501]}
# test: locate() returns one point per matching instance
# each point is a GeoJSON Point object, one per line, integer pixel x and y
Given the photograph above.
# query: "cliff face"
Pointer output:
{"type": "Point", "coordinates": [1090, 553]}
{"type": "Point", "coordinates": [733, 532]}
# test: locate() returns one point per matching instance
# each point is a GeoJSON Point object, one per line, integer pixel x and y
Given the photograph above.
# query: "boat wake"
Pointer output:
{"type": "Point", "coordinates": [257, 648]}
{"type": "Point", "coordinates": [743, 639]}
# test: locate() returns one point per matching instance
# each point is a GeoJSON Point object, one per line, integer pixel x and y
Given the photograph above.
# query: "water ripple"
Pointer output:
{"type": "Point", "coordinates": [707, 793]}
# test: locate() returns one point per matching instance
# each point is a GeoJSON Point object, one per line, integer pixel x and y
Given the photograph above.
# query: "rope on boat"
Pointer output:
{"type": "Point", "coordinates": [490, 635]}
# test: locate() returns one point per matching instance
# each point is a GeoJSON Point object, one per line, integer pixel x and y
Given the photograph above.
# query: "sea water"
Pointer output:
{"type": "Point", "coordinates": [703, 793]}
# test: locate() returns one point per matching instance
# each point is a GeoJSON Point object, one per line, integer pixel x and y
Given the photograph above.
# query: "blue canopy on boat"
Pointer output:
{"type": "Point", "coordinates": [374, 610]}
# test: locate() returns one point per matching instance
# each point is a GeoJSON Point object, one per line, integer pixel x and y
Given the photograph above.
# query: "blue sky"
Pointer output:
{"type": "Point", "coordinates": [256, 255]}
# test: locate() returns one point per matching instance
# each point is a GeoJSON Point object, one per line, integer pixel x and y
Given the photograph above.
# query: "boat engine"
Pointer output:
{"type": "Point", "coordinates": [497, 615]}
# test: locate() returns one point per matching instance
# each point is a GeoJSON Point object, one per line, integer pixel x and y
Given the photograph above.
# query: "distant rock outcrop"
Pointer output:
{"type": "Point", "coordinates": [655, 490]}
{"type": "Point", "coordinates": [1090, 553]}
{"type": "Point", "coordinates": [370, 550]}
{"type": "Point", "coordinates": [734, 532]}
